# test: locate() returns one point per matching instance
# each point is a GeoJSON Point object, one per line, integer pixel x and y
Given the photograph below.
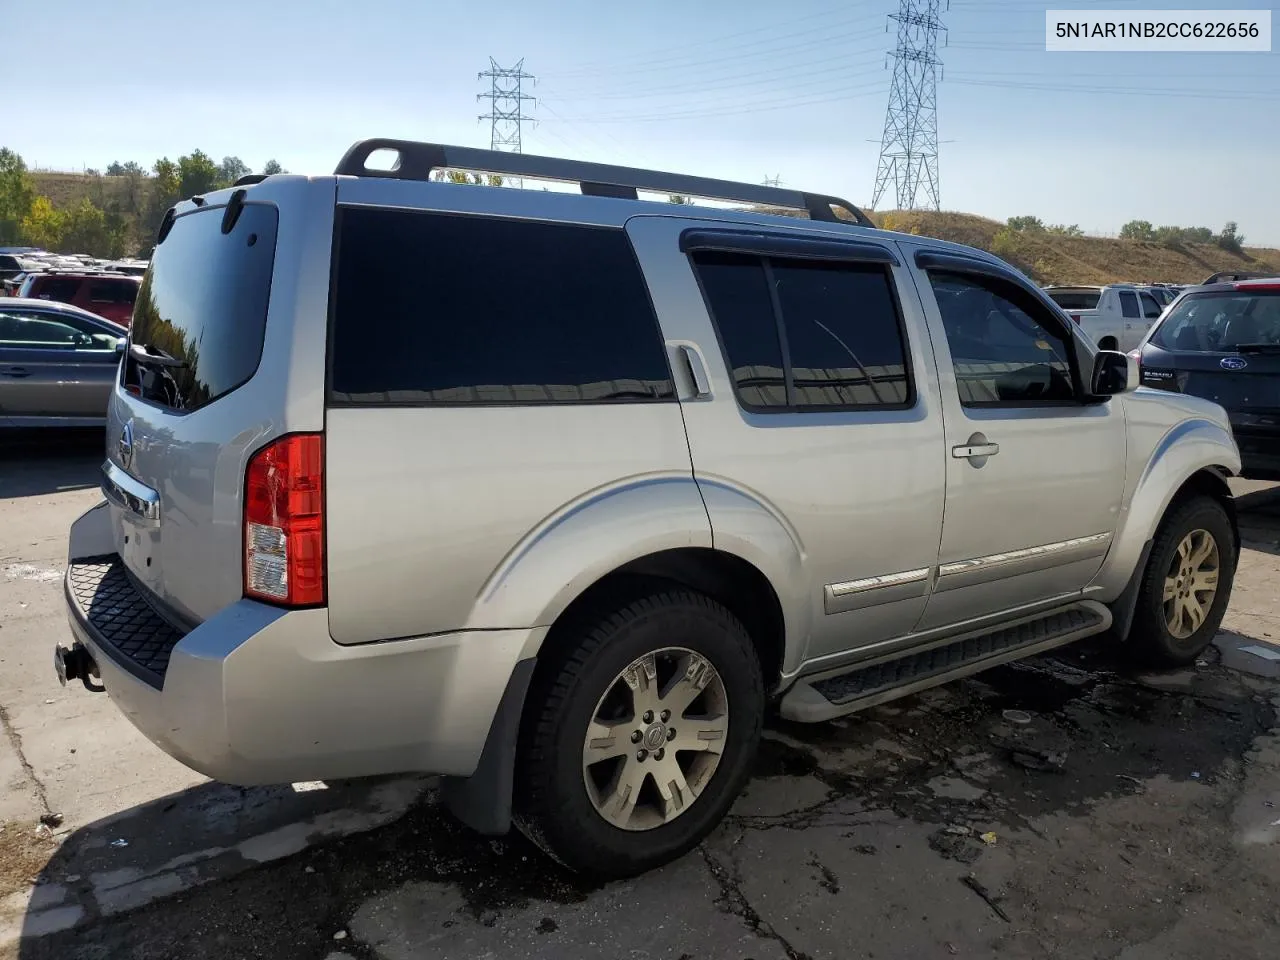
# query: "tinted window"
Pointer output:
{"type": "Point", "coordinates": [843, 334]}
{"type": "Point", "coordinates": [29, 331]}
{"type": "Point", "coordinates": [1128, 304]}
{"type": "Point", "coordinates": [838, 323]}
{"type": "Point", "coordinates": [431, 308]}
{"type": "Point", "coordinates": [1005, 348]}
{"type": "Point", "coordinates": [1150, 308]}
{"type": "Point", "coordinates": [1074, 301]}
{"type": "Point", "coordinates": [1220, 322]}
{"type": "Point", "coordinates": [737, 293]}
{"type": "Point", "coordinates": [113, 291]}
{"type": "Point", "coordinates": [63, 289]}
{"type": "Point", "coordinates": [204, 302]}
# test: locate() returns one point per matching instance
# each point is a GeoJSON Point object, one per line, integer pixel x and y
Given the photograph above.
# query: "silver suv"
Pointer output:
{"type": "Point", "coordinates": [557, 494]}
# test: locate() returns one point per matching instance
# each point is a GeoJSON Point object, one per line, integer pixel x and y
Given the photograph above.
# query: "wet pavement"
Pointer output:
{"type": "Point", "coordinates": [1067, 806]}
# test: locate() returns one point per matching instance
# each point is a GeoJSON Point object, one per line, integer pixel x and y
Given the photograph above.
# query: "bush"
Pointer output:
{"type": "Point", "coordinates": [1028, 224]}
{"type": "Point", "coordinates": [1005, 243]}
{"type": "Point", "coordinates": [1230, 238]}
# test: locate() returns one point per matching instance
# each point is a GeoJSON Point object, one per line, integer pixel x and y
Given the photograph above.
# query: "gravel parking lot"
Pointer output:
{"type": "Point", "coordinates": [1062, 807]}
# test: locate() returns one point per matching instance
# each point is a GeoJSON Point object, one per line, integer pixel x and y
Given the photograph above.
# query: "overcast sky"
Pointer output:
{"type": "Point", "coordinates": [741, 89]}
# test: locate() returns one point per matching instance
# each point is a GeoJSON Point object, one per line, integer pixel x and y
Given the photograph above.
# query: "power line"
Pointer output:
{"type": "Point", "coordinates": [506, 98]}
{"type": "Point", "coordinates": [717, 42]}
{"type": "Point", "coordinates": [909, 144]}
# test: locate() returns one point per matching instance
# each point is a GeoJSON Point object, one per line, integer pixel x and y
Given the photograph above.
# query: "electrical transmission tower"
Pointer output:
{"type": "Point", "coordinates": [909, 145]}
{"type": "Point", "coordinates": [773, 181]}
{"type": "Point", "coordinates": [506, 104]}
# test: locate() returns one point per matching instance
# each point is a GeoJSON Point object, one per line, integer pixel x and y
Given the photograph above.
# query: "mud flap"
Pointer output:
{"type": "Point", "coordinates": [483, 800]}
{"type": "Point", "coordinates": [1125, 605]}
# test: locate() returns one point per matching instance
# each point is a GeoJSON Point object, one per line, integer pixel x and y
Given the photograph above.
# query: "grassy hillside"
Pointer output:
{"type": "Point", "coordinates": [1050, 258]}
{"type": "Point", "coordinates": [66, 189]}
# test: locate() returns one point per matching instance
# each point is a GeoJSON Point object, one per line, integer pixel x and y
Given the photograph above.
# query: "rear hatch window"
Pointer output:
{"type": "Point", "coordinates": [201, 313]}
{"type": "Point", "coordinates": [1232, 321]}
{"type": "Point", "coordinates": [1223, 346]}
{"type": "Point", "coordinates": [1071, 300]}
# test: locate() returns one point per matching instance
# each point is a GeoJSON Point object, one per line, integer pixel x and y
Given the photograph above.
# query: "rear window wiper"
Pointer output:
{"type": "Point", "coordinates": [142, 353]}
{"type": "Point", "coordinates": [1258, 348]}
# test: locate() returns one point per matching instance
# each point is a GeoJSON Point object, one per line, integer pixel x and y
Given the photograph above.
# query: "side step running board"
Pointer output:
{"type": "Point", "coordinates": [871, 682]}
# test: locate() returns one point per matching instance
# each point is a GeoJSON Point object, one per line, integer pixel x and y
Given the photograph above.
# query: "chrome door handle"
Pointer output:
{"type": "Point", "coordinates": [697, 371]}
{"type": "Point", "coordinates": [972, 450]}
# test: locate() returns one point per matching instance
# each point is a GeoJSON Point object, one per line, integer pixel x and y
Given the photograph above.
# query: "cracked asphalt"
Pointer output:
{"type": "Point", "coordinates": [1062, 807]}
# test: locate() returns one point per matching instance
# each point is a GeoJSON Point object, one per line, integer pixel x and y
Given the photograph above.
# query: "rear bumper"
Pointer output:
{"type": "Point", "coordinates": [257, 694]}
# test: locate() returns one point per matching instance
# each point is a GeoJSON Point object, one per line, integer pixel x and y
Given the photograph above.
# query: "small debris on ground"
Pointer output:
{"type": "Point", "coordinates": [51, 819]}
{"type": "Point", "coordinates": [976, 885]}
{"type": "Point", "coordinates": [989, 838]}
{"type": "Point", "coordinates": [340, 935]}
{"type": "Point", "coordinates": [1020, 717]}
{"type": "Point", "coordinates": [120, 843]}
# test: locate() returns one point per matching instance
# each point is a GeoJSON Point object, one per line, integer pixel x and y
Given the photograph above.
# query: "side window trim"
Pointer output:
{"type": "Point", "coordinates": [928, 259]}
{"type": "Point", "coordinates": [785, 245]}
{"type": "Point", "coordinates": [765, 262]}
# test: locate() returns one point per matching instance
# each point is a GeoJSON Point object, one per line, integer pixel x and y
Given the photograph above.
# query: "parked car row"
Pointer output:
{"type": "Point", "coordinates": [57, 364]}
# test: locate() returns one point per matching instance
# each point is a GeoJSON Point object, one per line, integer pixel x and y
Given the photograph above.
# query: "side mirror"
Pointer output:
{"type": "Point", "coordinates": [1113, 372]}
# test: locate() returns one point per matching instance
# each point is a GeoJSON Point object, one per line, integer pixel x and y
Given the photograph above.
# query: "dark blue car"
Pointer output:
{"type": "Point", "coordinates": [1221, 341]}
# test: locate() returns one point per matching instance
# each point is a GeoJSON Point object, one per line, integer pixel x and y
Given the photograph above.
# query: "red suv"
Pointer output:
{"type": "Point", "coordinates": [109, 295]}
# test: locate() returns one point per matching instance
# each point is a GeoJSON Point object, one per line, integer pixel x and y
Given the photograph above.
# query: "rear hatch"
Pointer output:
{"type": "Point", "coordinates": [1223, 346]}
{"type": "Point", "coordinates": [226, 353]}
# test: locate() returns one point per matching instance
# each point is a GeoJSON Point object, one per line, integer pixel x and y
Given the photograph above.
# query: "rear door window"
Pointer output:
{"type": "Point", "coordinates": [1150, 308]}
{"type": "Point", "coordinates": [448, 309]}
{"type": "Point", "coordinates": [203, 306]}
{"type": "Point", "coordinates": [807, 335]}
{"type": "Point", "coordinates": [1129, 305]}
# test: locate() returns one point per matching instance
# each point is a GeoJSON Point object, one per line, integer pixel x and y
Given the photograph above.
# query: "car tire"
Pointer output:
{"type": "Point", "coordinates": [1176, 617]}
{"type": "Point", "coordinates": [574, 805]}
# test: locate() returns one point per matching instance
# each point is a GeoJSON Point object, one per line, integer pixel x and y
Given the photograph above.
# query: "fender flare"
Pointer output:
{"type": "Point", "coordinates": [1191, 447]}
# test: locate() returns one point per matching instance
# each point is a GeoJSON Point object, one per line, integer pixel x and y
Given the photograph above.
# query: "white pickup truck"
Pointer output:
{"type": "Point", "coordinates": [1116, 317]}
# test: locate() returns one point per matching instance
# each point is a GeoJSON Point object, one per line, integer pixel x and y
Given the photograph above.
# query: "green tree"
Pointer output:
{"type": "Point", "coordinates": [42, 226]}
{"type": "Point", "coordinates": [1137, 230]}
{"type": "Point", "coordinates": [85, 230]}
{"type": "Point", "coordinates": [1231, 238]}
{"type": "Point", "coordinates": [1027, 224]}
{"type": "Point", "coordinates": [197, 174]}
{"type": "Point", "coordinates": [232, 169]}
{"type": "Point", "coordinates": [1063, 230]}
{"type": "Point", "coordinates": [16, 195]}
{"type": "Point", "coordinates": [272, 167]}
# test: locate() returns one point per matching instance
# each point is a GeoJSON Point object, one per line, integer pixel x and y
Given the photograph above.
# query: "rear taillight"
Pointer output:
{"type": "Point", "coordinates": [284, 522]}
{"type": "Point", "coordinates": [1136, 357]}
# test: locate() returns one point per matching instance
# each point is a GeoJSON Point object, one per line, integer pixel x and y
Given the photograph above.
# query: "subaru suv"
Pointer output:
{"type": "Point", "coordinates": [1222, 342]}
{"type": "Point", "coordinates": [557, 494]}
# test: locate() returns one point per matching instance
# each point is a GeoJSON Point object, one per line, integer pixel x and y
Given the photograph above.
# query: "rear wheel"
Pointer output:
{"type": "Point", "coordinates": [641, 735]}
{"type": "Point", "coordinates": [1187, 584]}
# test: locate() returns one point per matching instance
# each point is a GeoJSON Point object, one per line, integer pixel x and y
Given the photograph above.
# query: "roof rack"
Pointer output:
{"type": "Point", "coordinates": [417, 161]}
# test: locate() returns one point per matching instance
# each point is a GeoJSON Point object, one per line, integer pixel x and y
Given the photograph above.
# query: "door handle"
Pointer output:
{"type": "Point", "coordinates": [17, 372]}
{"type": "Point", "coordinates": [976, 449]}
{"type": "Point", "coordinates": [697, 371]}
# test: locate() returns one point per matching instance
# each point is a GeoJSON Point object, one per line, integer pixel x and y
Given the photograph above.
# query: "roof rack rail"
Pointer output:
{"type": "Point", "coordinates": [249, 179]}
{"type": "Point", "coordinates": [417, 161]}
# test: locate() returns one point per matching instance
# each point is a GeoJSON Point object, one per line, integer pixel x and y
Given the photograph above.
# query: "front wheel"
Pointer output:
{"type": "Point", "coordinates": [641, 736]}
{"type": "Point", "coordinates": [1186, 585]}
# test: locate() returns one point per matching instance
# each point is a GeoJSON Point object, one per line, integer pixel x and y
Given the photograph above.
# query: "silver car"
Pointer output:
{"type": "Point", "coordinates": [57, 364]}
{"type": "Point", "coordinates": [557, 494]}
